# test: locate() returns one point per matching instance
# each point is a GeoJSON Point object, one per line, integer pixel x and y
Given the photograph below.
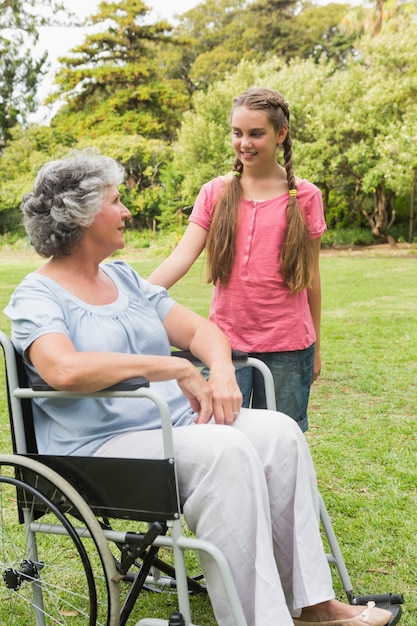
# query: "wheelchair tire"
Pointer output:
{"type": "Point", "coordinates": [55, 563]}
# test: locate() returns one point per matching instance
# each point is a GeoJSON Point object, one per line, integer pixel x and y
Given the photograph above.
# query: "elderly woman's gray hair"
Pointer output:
{"type": "Point", "coordinates": [66, 197]}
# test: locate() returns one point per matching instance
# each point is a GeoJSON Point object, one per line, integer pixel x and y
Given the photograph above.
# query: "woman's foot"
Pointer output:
{"type": "Point", "coordinates": [335, 613]}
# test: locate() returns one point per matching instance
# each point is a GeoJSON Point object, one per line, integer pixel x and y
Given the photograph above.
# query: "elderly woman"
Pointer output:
{"type": "Point", "coordinates": [246, 477]}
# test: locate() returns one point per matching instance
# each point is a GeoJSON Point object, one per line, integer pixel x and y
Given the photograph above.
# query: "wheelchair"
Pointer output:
{"type": "Point", "coordinates": [64, 548]}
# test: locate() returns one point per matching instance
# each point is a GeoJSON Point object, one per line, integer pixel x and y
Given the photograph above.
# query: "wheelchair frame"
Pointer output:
{"type": "Point", "coordinates": [51, 486]}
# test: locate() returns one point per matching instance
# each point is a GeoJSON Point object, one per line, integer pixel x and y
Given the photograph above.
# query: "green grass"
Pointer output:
{"type": "Point", "coordinates": [363, 411]}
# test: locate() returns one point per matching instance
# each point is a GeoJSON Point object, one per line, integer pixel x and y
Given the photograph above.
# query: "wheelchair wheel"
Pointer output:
{"type": "Point", "coordinates": [55, 563]}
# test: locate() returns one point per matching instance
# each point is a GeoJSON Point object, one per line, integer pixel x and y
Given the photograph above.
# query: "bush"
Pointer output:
{"type": "Point", "coordinates": [336, 238]}
{"type": "Point", "coordinates": [11, 223]}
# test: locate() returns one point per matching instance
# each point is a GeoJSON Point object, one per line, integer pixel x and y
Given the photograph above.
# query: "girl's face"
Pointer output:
{"type": "Point", "coordinates": [254, 138]}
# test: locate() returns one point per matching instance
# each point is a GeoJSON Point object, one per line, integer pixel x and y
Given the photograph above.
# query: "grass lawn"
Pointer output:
{"type": "Point", "coordinates": [363, 411]}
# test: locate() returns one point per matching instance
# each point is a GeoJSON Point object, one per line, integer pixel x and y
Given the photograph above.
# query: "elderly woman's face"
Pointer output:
{"type": "Point", "coordinates": [109, 224]}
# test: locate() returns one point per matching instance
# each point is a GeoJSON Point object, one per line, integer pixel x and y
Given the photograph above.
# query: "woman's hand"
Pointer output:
{"type": "Point", "coordinates": [189, 331]}
{"type": "Point", "coordinates": [197, 390]}
{"type": "Point", "coordinates": [227, 397]}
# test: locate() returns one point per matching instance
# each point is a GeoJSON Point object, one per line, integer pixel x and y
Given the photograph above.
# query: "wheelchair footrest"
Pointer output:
{"type": "Point", "coordinates": [380, 599]}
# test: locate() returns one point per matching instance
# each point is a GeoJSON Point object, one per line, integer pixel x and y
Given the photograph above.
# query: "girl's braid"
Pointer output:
{"type": "Point", "coordinates": [287, 145]}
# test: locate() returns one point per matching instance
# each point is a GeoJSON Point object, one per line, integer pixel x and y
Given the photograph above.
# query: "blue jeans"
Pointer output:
{"type": "Point", "coordinates": [292, 372]}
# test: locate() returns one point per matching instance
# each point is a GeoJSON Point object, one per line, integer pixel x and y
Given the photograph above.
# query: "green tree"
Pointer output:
{"type": "Point", "coordinates": [117, 99]}
{"type": "Point", "coordinates": [32, 147]}
{"type": "Point", "coordinates": [221, 33]}
{"type": "Point", "coordinates": [20, 71]}
{"type": "Point", "coordinates": [387, 166]}
{"type": "Point", "coordinates": [365, 130]}
{"type": "Point", "coordinates": [142, 159]}
{"type": "Point", "coordinates": [27, 150]}
{"type": "Point", "coordinates": [218, 35]}
{"type": "Point", "coordinates": [322, 31]}
{"type": "Point", "coordinates": [113, 82]}
{"type": "Point", "coordinates": [354, 127]}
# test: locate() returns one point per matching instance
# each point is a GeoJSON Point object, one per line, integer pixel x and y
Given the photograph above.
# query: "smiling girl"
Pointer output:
{"type": "Point", "coordinates": [261, 227]}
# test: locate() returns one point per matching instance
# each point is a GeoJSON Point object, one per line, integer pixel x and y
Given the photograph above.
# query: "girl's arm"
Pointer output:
{"type": "Point", "coordinates": [179, 262]}
{"type": "Point", "coordinates": [314, 301]}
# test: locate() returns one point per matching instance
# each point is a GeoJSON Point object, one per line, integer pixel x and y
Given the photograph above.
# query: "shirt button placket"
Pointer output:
{"type": "Point", "coordinates": [249, 240]}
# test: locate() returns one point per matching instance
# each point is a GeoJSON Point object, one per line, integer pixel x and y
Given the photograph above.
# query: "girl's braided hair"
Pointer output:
{"type": "Point", "coordinates": [296, 258]}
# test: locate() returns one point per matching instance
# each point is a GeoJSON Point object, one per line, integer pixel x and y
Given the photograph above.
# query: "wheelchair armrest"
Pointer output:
{"type": "Point", "coordinates": [137, 382]}
{"type": "Point", "coordinates": [237, 356]}
{"type": "Point", "coordinates": [129, 384]}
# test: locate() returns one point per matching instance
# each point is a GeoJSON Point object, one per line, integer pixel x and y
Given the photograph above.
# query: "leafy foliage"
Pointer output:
{"type": "Point", "coordinates": [158, 98]}
{"type": "Point", "coordinates": [30, 149]}
{"type": "Point", "coordinates": [20, 72]}
{"type": "Point", "coordinates": [354, 126]}
{"type": "Point", "coordinates": [224, 32]}
{"type": "Point", "coordinates": [113, 82]}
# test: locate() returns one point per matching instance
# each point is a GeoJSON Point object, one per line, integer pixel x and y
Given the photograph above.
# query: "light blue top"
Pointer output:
{"type": "Point", "coordinates": [131, 324]}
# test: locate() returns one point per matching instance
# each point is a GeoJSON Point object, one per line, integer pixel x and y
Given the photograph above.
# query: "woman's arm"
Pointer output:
{"type": "Point", "coordinates": [179, 262]}
{"type": "Point", "coordinates": [314, 301]}
{"type": "Point", "coordinates": [62, 366]}
{"type": "Point", "coordinates": [57, 361]}
{"type": "Point", "coordinates": [189, 331]}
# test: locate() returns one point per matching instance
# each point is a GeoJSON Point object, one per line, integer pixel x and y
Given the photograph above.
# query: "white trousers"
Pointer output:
{"type": "Point", "coordinates": [250, 489]}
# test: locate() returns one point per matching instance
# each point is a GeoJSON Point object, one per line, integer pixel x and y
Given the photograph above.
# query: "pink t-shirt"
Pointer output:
{"type": "Point", "coordinates": [256, 310]}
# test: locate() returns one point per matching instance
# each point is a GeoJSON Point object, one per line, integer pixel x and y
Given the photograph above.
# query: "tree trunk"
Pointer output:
{"type": "Point", "coordinates": [379, 220]}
